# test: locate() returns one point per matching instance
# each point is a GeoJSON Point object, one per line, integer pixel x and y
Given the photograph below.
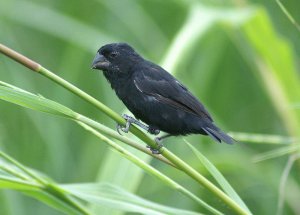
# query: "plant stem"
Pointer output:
{"type": "Point", "coordinates": [98, 126]}
{"type": "Point", "coordinates": [287, 13]}
{"type": "Point", "coordinates": [32, 185]}
{"type": "Point", "coordinates": [165, 152]}
{"type": "Point", "coordinates": [59, 193]}
{"type": "Point", "coordinates": [263, 138]}
{"type": "Point", "coordinates": [44, 185]}
{"type": "Point", "coordinates": [202, 180]}
{"type": "Point", "coordinates": [149, 169]}
{"type": "Point", "coordinates": [14, 173]}
{"type": "Point", "coordinates": [116, 117]}
{"type": "Point", "coordinates": [24, 169]}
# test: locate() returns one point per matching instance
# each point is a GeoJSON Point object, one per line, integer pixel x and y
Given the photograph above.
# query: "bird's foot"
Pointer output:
{"type": "Point", "coordinates": [130, 120]}
{"type": "Point", "coordinates": [159, 146]}
{"type": "Point", "coordinates": [158, 141]}
{"type": "Point", "coordinates": [119, 127]}
{"type": "Point", "coordinates": [156, 151]}
{"type": "Point", "coordinates": [153, 130]}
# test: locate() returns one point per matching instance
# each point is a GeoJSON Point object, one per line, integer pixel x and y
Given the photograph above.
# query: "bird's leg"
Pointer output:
{"type": "Point", "coordinates": [158, 141]}
{"type": "Point", "coordinates": [153, 130]}
{"type": "Point", "coordinates": [130, 120]}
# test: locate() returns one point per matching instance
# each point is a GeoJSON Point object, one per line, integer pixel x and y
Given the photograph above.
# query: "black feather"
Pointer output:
{"type": "Point", "coordinates": [218, 135]}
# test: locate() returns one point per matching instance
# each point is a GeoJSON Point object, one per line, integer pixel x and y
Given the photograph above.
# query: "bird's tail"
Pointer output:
{"type": "Point", "coordinates": [218, 135]}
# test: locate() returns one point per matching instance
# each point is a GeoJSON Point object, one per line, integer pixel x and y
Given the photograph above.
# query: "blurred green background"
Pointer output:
{"type": "Point", "coordinates": [241, 58]}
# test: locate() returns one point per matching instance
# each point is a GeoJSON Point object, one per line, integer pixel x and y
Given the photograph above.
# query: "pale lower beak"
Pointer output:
{"type": "Point", "coordinates": [100, 62]}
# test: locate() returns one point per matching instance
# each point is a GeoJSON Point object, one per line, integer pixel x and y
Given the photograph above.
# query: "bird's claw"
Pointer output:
{"type": "Point", "coordinates": [119, 127]}
{"type": "Point", "coordinates": [125, 128]}
{"type": "Point", "coordinates": [129, 121]}
{"type": "Point", "coordinates": [158, 141]}
{"type": "Point", "coordinates": [153, 131]}
{"type": "Point", "coordinates": [155, 151]}
{"type": "Point", "coordinates": [126, 117]}
{"type": "Point", "coordinates": [159, 146]}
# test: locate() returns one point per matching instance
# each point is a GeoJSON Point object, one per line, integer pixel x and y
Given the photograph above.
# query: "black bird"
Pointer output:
{"type": "Point", "coordinates": [153, 95]}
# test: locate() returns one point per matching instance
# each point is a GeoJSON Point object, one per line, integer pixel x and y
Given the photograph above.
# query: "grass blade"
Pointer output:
{"type": "Point", "coordinates": [41, 104]}
{"type": "Point", "coordinates": [34, 102]}
{"type": "Point", "coordinates": [56, 24]}
{"type": "Point", "coordinates": [263, 138]}
{"type": "Point", "coordinates": [287, 13]}
{"type": "Point", "coordinates": [53, 202]}
{"type": "Point", "coordinates": [137, 132]}
{"type": "Point", "coordinates": [276, 153]}
{"type": "Point", "coordinates": [219, 177]}
{"type": "Point", "coordinates": [117, 198]}
{"type": "Point", "coordinates": [26, 99]}
{"type": "Point", "coordinates": [37, 186]}
{"type": "Point", "coordinates": [152, 171]}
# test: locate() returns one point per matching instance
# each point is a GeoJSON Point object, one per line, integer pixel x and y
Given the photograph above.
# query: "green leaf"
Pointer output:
{"type": "Point", "coordinates": [276, 153]}
{"type": "Point", "coordinates": [275, 66]}
{"type": "Point", "coordinates": [13, 87]}
{"type": "Point", "coordinates": [52, 201]}
{"type": "Point", "coordinates": [219, 177]}
{"type": "Point", "coordinates": [12, 176]}
{"type": "Point", "coordinates": [262, 138]}
{"type": "Point", "coordinates": [117, 198]}
{"type": "Point", "coordinates": [33, 190]}
{"type": "Point", "coordinates": [55, 23]}
{"type": "Point", "coordinates": [149, 169]}
{"type": "Point", "coordinates": [35, 102]}
{"type": "Point", "coordinates": [10, 182]}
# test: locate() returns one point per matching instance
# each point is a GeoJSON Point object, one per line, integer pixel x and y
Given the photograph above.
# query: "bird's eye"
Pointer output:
{"type": "Point", "coordinates": [113, 54]}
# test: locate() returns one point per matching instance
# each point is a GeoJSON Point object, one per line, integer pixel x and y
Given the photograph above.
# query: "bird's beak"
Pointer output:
{"type": "Point", "coordinates": [100, 62]}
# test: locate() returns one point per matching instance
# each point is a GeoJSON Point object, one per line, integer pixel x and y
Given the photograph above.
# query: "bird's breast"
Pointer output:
{"type": "Point", "coordinates": [127, 92]}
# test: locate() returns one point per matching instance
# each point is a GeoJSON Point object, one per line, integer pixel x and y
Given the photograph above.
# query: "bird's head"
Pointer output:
{"type": "Point", "coordinates": [115, 57]}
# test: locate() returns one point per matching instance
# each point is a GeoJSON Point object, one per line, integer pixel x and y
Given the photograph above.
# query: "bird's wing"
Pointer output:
{"type": "Point", "coordinates": [165, 88]}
